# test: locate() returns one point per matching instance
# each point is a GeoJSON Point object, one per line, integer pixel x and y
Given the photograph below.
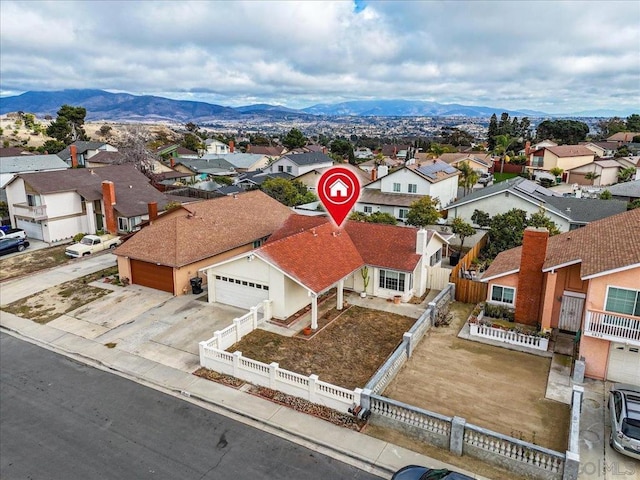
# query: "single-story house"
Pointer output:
{"type": "Point", "coordinates": [605, 171]}
{"type": "Point", "coordinates": [298, 163]}
{"type": "Point", "coordinates": [310, 178]}
{"type": "Point", "coordinates": [309, 256]}
{"type": "Point", "coordinates": [567, 213]}
{"type": "Point", "coordinates": [626, 191]}
{"type": "Point", "coordinates": [77, 154]}
{"type": "Point", "coordinates": [585, 280]}
{"type": "Point", "coordinates": [168, 252]}
{"type": "Point", "coordinates": [480, 162]}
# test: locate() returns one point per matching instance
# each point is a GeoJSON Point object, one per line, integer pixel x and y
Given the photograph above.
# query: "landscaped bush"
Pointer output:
{"type": "Point", "coordinates": [499, 311]}
{"type": "Point", "coordinates": [78, 236]}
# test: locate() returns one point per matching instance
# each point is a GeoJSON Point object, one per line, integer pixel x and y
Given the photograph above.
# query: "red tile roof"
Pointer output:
{"type": "Point", "coordinates": [317, 258]}
{"type": "Point", "coordinates": [319, 261]}
{"type": "Point", "coordinates": [601, 246]}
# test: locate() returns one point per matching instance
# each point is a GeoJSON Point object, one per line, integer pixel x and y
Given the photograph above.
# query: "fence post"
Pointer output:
{"type": "Point", "coordinates": [357, 395]}
{"type": "Point", "coordinates": [406, 337]}
{"type": "Point", "coordinates": [201, 347]}
{"type": "Point", "coordinates": [433, 307]}
{"type": "Point", "coordinates": [236, 322]}
{"type": "Point", "coordinates": [365, 398]}
{"type": "Point", "coordinates": [457, 435]}
{"type": "Point", "coordinates": [273, 368]}
{"type": "Point", "coordinates": [218, 336]}
{"type": "Point", "coordinates": [571, 466]}
{"type": "Point", "coordinates": [236, 363]}
{"type": "Point", "coordinates": [254, 316]}
{"type": "Point", "coordinates": [453, 291]}
{"type": "Point", "coordinates": [312, 387]}
{"type": "Point", "coordinates": [266, 308]}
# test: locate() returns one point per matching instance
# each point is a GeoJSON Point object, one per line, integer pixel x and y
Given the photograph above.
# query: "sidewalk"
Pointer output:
{"type": "Point", "coordinates": [365, 452]}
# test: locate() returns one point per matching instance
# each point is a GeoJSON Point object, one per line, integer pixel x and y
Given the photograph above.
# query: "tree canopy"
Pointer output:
{"type": "Point", "coordinates": [424, 212]}
{"type": "Point", "coordinates": [375, 217]}
{"type": "Point", "coordinates": [68, 126]}
{"type": "Point", "coordinates": [288, 192]}
{"type": "Point", "coordinates": [563, 131]}
{"type": "Point", "coordinates": [462, 229]}
{"type": "Point", "coordinates": [294, 139]}
{"type": "Point", "coordinates": [344, 149]}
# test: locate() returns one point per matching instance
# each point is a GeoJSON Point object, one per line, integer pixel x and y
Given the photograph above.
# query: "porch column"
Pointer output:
{"type": "Point", "coordinates": [91, 217]}
{"type": "Point", "coordinates": [340, 295]}
{"type": "Point", "coordinates": [548, 300]}
{"type": "Point", "coordinates": [314, 311]}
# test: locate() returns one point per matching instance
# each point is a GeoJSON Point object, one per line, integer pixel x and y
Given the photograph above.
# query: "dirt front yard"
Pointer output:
{"type": "Point", "coordinates": [49, 304]}
{"type": "Point", "coordinates": [492, 387]}
{"type": "Point", "coordinates": [346, 353]}
{"type": "Point", "coordinates": [33, 262]}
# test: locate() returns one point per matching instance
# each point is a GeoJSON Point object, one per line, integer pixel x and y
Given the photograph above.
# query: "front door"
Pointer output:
{"type": "Point", "coordinates": [571, 311]}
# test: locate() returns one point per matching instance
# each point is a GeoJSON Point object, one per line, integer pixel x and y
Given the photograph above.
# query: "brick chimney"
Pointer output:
{"type": "Point", "coordinates": [109, 200]}
{"type": "Point", "coordinates": [74, 156]}
{"type": "Point", "coordinates": [172, 162]}
{"type": "Point", "coordinates": [232, 146]}
{"type": "Point", "coordinates": [531, 279]}
{"type": "Point", "coordinates": [374, 174]}
{"type": "Point", "coordinates": [527, 148]}
{"type": "Point", "coordinates": [153, 210]}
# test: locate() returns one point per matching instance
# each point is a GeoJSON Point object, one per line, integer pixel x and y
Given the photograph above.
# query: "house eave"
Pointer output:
{"type": "Point", "coordinates": [562, 265]}
{"type": "Point", "coordinates": [503, 274]}
{"type": "Point", "coordinates": [610, 272]}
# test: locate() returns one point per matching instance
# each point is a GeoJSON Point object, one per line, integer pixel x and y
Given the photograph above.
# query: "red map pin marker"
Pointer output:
{"type": "Point", "coordinates": [339, 190]}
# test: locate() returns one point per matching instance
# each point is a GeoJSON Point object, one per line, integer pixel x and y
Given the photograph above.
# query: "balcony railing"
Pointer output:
{"type": "Point", "coordinates": [38, 212]}
{"type": "Point", "coordinates": [612, 326]}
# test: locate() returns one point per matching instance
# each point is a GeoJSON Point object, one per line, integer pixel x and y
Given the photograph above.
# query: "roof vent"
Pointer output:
{"type": "Point", "coordinates": [313, 232]}
{"type": "Point", "coordinates": [568, 209]}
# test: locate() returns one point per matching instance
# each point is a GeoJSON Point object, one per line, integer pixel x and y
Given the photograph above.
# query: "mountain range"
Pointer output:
{"type": "Point", "coordinates": [103, 105]}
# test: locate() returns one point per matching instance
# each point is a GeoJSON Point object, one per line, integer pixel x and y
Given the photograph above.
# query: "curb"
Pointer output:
{"type": "Point", "coordinates": [374, 468]}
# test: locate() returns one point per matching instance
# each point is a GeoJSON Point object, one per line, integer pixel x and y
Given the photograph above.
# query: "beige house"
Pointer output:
{"type": "Point", "coordinates": [169, 251]}
{"type": "Point", "coordinates": [566, 157]}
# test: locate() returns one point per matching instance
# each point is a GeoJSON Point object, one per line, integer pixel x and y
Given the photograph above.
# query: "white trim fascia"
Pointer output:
{"type": "Point", "coordinates": [444, 240]}
{"type": "Point", "coordinates": [228, 260]}
{"type": "Point", "coordinates": [610, 272]}
{"type": "Point", "coordinates": [510, 272]}
{"type": "Point", "coordinates": [562, 265]}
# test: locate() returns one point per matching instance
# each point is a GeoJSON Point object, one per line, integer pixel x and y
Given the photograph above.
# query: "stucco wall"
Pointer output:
{"type": "Point", "coordinates": [596, 354]}
{"type": "Point", "coordinates": [597, 291]}
{"type": "Point", "coordinates": [506, 281]}
{"type": "Point", "coordinates": [63, 228]}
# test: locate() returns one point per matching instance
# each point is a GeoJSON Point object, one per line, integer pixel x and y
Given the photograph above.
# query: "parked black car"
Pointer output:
{"type": "Point", "coordinates": [416, 472]}
{"type": "Point", "coordinates": [8, 245]}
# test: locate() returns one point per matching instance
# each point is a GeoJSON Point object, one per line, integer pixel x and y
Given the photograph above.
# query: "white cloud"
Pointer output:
{"type": "Point", "coordinates": [553, 56]}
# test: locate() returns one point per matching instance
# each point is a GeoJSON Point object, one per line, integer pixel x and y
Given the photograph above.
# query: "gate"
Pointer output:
{"type": "Point", "coordinates": [571, 311]}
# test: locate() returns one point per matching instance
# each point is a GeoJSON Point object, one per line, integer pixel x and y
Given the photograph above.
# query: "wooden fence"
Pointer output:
{"type": "Point", "coordinates": [469, 290]}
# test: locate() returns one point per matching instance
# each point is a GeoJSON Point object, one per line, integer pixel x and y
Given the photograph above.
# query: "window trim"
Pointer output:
{"type": "Point", "coordinates": [415, 188]}
{"type": "Point", "coordinates": [401, 211]}
{"type": "Point", "coordinates": [397, 187]}
{"type": "Point", "coordinates": [127, 226]}
{"type": "Point", "coordinates": [367, 209]}
{"type": "Point", "coordinates": [502, 302]}
{"type": "Point", "coordinates": [402, 278]}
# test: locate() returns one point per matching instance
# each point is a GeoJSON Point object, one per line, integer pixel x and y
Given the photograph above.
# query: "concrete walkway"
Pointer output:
{"type": "Point", "coordinates": [81, 337]}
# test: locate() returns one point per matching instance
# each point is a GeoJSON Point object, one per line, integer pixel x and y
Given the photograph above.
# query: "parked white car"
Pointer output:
{"type": "Point", "coordinates": [92, 244]}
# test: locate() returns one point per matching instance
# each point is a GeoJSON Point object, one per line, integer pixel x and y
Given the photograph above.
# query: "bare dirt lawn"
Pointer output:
{"type": "Point", "coordinates": [53, 302]}
{"type": "Point", "coordinates": [346, 353]}
{"type": "Point", "coordinates": [33, 262]}
{"type": "Point", "coordinates": [492, 387]}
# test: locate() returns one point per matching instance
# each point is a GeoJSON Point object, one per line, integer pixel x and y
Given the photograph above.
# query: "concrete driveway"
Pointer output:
{"type": "Point", "coordinates": [150, 323]}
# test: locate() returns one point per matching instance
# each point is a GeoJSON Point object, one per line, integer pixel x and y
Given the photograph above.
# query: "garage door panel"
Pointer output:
{"type": "Point", "coordinates": [624, 363]}
{"type": "Point", "coordinates": [159, 277]}
{"type": "Point", "coordinates": [239, 293]}
{"type": "Point", "coordinates": [32, 229]}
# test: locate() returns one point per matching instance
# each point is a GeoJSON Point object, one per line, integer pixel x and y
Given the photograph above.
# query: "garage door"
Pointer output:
{"type": "Point", "coordinates": [151, 275]}
{"type": "Point", "coordinates": [32, 228]}
{"type": "Point", "coordinates": [240, 293]}
{"type": "Point", "coordinates": [624, 363]}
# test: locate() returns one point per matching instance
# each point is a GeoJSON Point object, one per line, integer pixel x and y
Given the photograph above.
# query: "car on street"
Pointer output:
{"type": "Point", "coordinates": [624, 408]}
{"type": "Point", "coordinates": [8, 245]}
{"type": "Point", "coordinates": [416, 472]}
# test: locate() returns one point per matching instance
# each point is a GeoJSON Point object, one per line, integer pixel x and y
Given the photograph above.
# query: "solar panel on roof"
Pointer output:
{"type": "Point", "coordinates": [527, 186]}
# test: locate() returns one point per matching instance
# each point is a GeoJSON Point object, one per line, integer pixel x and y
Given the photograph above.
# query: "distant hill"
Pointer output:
{"type": "Point", "coordinates": [410, 108]}
{"type": "Point", "coordinates": [102, 105]}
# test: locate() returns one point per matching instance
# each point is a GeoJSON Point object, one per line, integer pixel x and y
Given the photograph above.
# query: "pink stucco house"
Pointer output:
{"type": "Point", "coordinates": [586, 280]}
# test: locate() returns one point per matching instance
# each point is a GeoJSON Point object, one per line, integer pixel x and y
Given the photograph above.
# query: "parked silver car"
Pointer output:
{"type": "Point", "coordinates": [624, 408]}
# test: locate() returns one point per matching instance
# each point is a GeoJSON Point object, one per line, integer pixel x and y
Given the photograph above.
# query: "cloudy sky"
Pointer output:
{"type": "Point", "coordinates": [555, 56]}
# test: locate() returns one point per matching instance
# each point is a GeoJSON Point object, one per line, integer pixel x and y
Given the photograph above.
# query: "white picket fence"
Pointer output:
{"type": "Point", "coordinates": [508, 336]}
{"type": "Point", "coordinates": [214, 357]}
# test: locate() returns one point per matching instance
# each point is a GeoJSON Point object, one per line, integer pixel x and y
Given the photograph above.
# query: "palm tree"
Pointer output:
{"type": "Point", "coordinates": [468, 177]}
{"type": "Point", "coordinates": [503, 142]}
{"type": "Point", "coordinates": [436, 149]}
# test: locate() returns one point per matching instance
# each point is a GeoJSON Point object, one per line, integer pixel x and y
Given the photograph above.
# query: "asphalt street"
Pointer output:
{"type": "Point", "coordinates": [60, 419]}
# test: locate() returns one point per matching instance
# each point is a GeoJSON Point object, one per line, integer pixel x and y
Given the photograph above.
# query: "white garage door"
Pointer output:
{"type": "Point", "coordinates": [33, 229]}
{"type": "Point", "coordinates": [624, 363]}
{"type": "Point", "coordinates": [240, 293]}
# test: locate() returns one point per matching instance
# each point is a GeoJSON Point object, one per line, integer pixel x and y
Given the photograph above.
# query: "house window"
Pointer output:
{"type": "Point", "coordinates": [368, 209]}
{"type": "Point", "coordinates": [435, 258]}
{"type": "Point", "coordinates": [396, 187]}
{"type": "Point", "coordinates": [502, 294]}
{"type": "Point", "coordinates": [403, 213]}
{"type": "Point", "coordinates": [289, 168]}
{"type": "Point", "coordinates": [537, 162]}
{"type": "Point", "coordinates": [33, 200]}
{"type": "Point", "coordinates": [280, 168]}
{"type": "Point", "coordinates": [392, 280]}
{"type": "Point", "coordinates": [123, 224]}
{"type": "Point", "coordinates": [622, 300]}
{"type": "Point", "coordinates": [412, 188]}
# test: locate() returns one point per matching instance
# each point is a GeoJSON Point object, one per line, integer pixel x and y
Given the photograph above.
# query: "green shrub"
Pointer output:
{"type": "Point", "coordinates": [78, 236]}
{"type": "Point", "coordinates": [499, 311]}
